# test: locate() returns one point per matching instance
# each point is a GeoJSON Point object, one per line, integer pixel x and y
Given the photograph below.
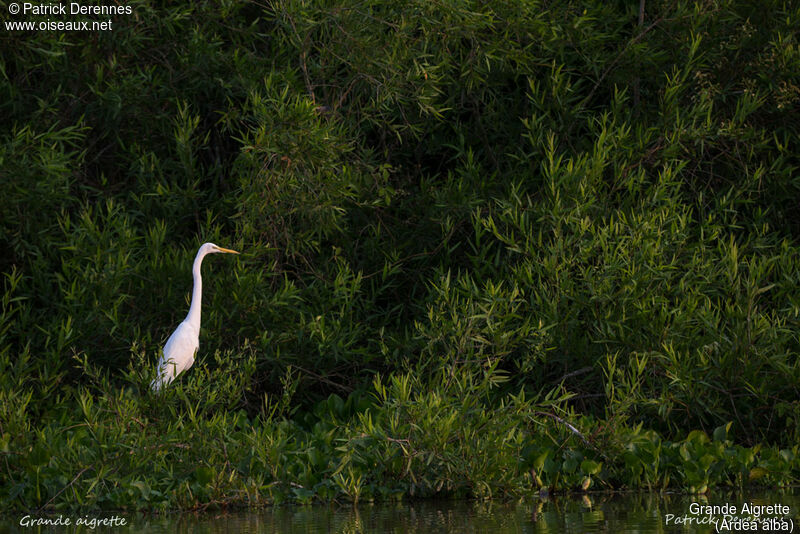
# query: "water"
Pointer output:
{"type": "Point", "coordinates": [629, 513]}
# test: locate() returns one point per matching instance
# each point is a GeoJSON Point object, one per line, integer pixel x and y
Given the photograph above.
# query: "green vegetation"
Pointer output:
{"type": "Point", "coordinates": [488, 248]}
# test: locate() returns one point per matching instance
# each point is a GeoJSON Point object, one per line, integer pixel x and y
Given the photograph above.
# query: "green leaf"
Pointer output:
{"type": "Point", "coordinates": [538, 464]}
{"type": "Point", "coordinates": [721, 432]}
{"type": "Point", "coordinates": [39, 455]}
{"type": "Point", "coordinates": [204, 475]}
{"type": "Point", "coordinates": [590, 467]}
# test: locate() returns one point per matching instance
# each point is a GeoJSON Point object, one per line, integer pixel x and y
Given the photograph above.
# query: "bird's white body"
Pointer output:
{"type": "Point", "coordinates": [179, 352]}
{"type": "Point", "coordinates": [181, 347]}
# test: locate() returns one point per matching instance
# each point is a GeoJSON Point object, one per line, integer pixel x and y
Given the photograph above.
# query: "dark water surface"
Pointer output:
{"type": "Point", "coordinates": [628, 513]}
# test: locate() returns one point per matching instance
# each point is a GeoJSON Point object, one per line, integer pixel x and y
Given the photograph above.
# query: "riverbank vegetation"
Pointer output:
{"type": "Point", "coordinates": [487, 249]}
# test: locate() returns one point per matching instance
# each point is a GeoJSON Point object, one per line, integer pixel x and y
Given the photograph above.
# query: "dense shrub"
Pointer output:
{"type": "Point", "coordinates": [570, 200]}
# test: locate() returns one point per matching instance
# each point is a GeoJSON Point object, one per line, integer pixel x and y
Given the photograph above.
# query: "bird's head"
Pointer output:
{"type": "Point", "coordinates": [211, 248]}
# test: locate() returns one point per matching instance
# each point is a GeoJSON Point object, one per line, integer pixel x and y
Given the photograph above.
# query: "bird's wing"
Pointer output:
{"type": "Point", "coordinates": [178, 354]}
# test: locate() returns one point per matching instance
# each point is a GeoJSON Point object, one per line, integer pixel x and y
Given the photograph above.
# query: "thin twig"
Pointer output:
{"type": "Point", "coordinates": [80, 473]}
{"type": "Point", "coordinates": [580, 371]}
{"type": "Point", "coordinates": [324, 380]}
{"type": "Point", "coordinates": [619, 56]}
{"type": "Point", "coordinates": [569, 426]}
{"type": "Point", "coordinates": [636, 96]}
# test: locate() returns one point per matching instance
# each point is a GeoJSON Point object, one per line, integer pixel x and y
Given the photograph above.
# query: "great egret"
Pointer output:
{"type": "Point", "coordinates": [181, 347]}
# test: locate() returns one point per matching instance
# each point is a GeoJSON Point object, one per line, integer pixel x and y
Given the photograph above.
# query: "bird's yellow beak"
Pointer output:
{"type": "Point", "coordinates": [226, 250]}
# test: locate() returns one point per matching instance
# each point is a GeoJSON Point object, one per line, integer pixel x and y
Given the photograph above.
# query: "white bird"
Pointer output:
{"type": "Point", "coordinates": [181, 347]}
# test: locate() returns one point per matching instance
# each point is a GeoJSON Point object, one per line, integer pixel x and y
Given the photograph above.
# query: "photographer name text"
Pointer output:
{"type": "Point", "coordinates": [730, 518]}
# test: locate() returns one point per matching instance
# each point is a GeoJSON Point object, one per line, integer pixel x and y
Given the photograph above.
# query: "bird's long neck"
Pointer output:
{"type": "Point", "coordinates": [197, 292]}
